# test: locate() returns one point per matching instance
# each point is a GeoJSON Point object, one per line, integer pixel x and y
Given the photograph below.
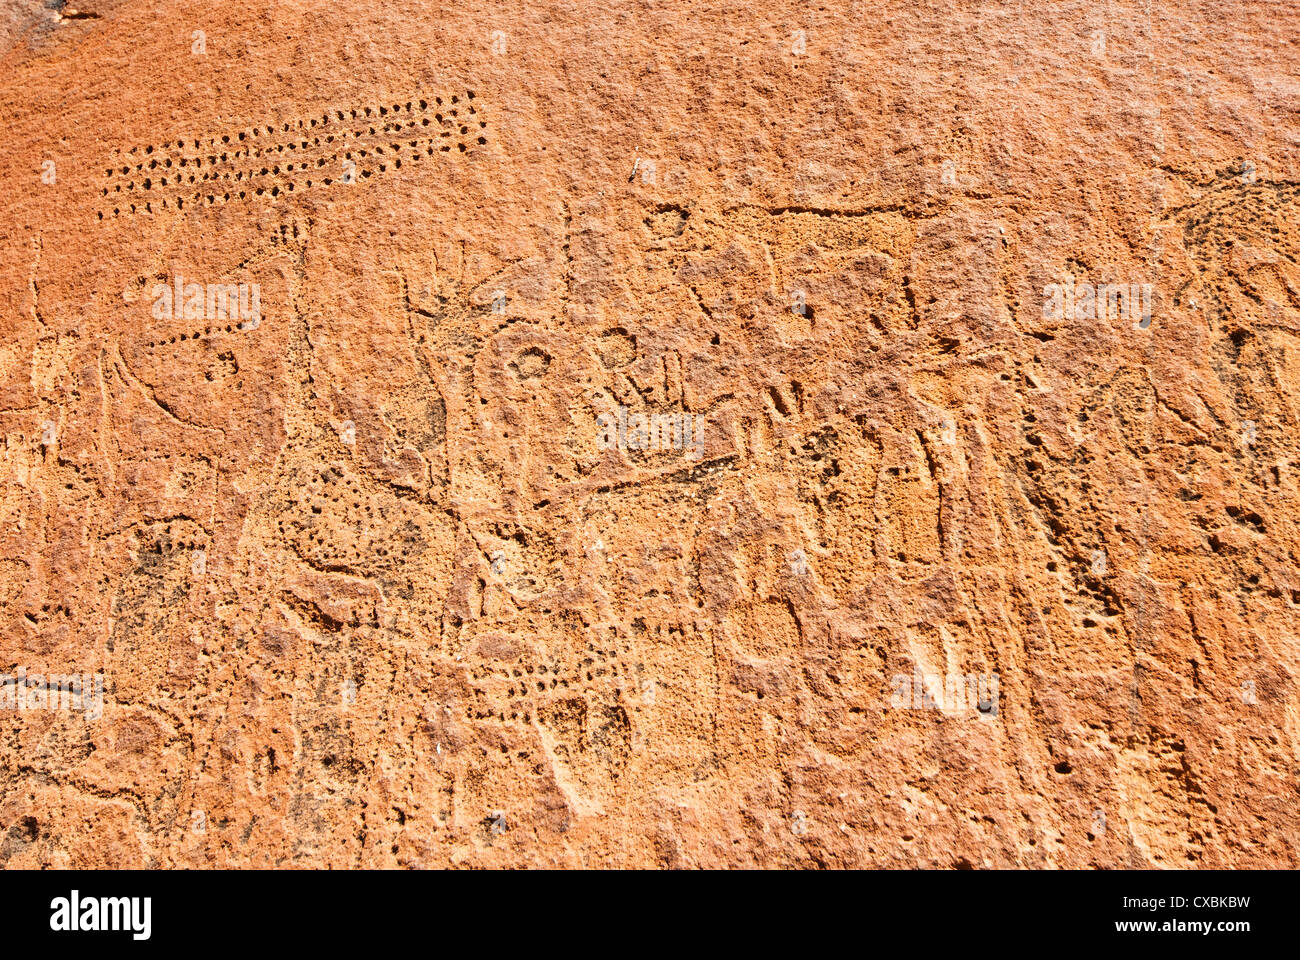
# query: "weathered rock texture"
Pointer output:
{"type": "Point", "coordinates": [364, 585]}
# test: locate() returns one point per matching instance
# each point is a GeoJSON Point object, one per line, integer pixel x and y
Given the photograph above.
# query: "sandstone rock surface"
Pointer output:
{"type": "Point", "coordinates": [919, 568]}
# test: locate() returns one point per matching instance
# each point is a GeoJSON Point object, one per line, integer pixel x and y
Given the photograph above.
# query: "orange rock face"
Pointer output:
{"type": "Point", "coordinates": [649, 434]}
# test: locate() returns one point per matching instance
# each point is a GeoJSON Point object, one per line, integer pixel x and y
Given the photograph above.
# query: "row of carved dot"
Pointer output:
{"type": "Point", "coordinates": [329, 539]}
{"type": "Point", "coordinates": [519, 671]}
{"type": "Point", "coordinates": [364, 552]}
{"type": "Point", "coordinates": [475, 675]}
{"type": "Point", "coordinates": [356, 505]}
{"type": "Point", "coordinates": [500, 716]}
{"type": "Point", "coordinates": [488, 715]}
{"type": "Point", "coordinates": [329, 546]}
{"type": "Point", "coordinates": [197, 335]}
{"type": "Point", "coordinates": [213, 159]}
{"type": "Point", "coordinates": [557, 678]}
{"type": "Point", "coordinates": [320, 162]}
{"type": "Point", "coordinates": [523, 691]}
{"type": "Point", "coordinates": [318, 540]}
{"type": "Point", "coordinates": [275, 191]}
{"type": "Point", "coordinates": [355, 134]}
{"type": "Point", "coordinates": [190, 545]}
{"type": "Point", "coordinates": [242, 174]}
{"type": "Point", "coordinates": [325, 121]}
{"type": "Point", "coordinates": [139, 534]}
{"type": "Point", "coordinates": [541, 687]}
